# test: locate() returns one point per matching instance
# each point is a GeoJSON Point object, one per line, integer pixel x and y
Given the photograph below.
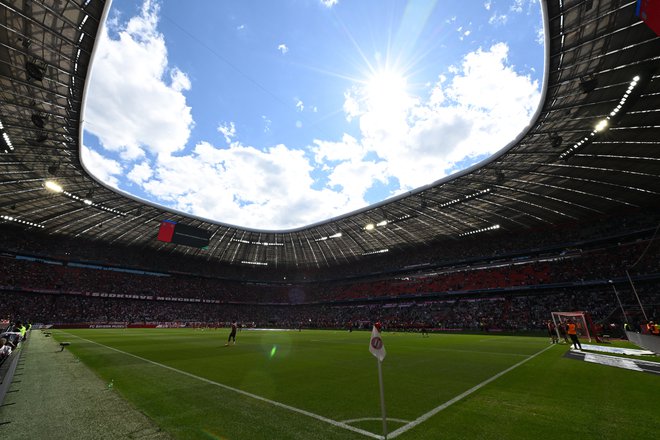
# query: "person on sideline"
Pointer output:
{"type": "Point", "coordinates": [572, 333]}
{"type": "Point", "coordinates": [232, 335]}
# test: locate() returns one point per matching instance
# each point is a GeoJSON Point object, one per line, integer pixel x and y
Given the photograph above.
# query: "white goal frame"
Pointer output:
{"type": "Point", "coordinates": [582, 320]}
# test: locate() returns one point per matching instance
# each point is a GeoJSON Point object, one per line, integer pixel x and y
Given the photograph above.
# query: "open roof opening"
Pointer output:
{"type": "Point", "coordinates": [285, 114]}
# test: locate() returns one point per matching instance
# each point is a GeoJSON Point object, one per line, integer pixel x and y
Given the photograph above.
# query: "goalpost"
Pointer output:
{"type": "Point", "coordinates": [585, 327]}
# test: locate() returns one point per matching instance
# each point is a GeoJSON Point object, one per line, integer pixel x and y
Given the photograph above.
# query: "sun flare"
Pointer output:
{"type": "Point", "coordinates": [386, 88]}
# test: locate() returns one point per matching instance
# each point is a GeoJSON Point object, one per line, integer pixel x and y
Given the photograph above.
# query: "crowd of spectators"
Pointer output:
{"type": "Point", "coordinates": [577, 266]}
{"type": "Point", "coordinates": [503, 287]}
{"type": "Point", "coordinates": [503, 312]}
{"type": "Point", "coordinates": [11, 336]}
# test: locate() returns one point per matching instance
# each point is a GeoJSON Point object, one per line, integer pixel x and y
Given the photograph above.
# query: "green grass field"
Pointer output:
{"type": "Point", "coordinates": [323, 385]}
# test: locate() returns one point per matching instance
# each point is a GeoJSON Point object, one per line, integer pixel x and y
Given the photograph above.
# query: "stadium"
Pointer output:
{"type": "Point", "coordinates": [471, 277]}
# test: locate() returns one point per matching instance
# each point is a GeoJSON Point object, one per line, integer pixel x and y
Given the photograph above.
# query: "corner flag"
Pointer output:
{"type": "Point", "coordinates": [376, 346]}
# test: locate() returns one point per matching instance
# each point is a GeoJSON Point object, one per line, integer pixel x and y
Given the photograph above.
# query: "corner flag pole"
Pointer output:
{"type": "Point", "coordinates": [382, 398]}
{"type": "Point", "coordinates": [377, 348]}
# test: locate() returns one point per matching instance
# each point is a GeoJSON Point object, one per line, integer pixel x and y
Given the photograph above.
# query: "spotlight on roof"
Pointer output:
{"type": "Point", "coordinates": [636, 78]}
{"type": "Point", "coordinates": [602, 125]}
{"type": "Point", "coordinates": [369, 227]}
{"type": "Point", "coordinates": [556, 141]}
{"type": "Point", "coordinates": [38, 120]}
{"type": "Point", "coordinates": [53, 186]}
{"type": "Point", "coordinates": [53, 168]}
{"type": "Point", "coordinates": [382, 223]}
{"type": "Point", "coordinates": [34, 71]}
{"type": "Point", "coordinates": [588, 83]}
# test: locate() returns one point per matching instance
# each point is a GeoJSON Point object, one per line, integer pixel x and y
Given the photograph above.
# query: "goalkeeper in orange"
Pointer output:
{"type": "Point", "coordinates": [572, 333]}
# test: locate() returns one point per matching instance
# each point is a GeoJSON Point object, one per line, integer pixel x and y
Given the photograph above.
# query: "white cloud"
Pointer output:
{"type": "Point", "coordinates": [267, 123]}
{"type": "Point", "coordinates": [329, 3]}
{"type": "Point", "coordinates": [498, 19]}
{"type": "Point", "coordinates": [245, 186]}
{"type": "Point", "coordinates": [347, 149]}
{"type": "Point", "coordinates": [130, 107]}
{"type": "Point", "coordinates": [488, 4]}
{"type": "Point", "coordinates": [476, 110]}
{"type": "Point", "coordinates": [282, 48]}
{"type": "Point", "coordinates": [540, 35]}
{"type": "Point", "coordinates": [104, 169]}
{"type": "Point", "coordinates": [179, 80]}
{"type": "Point", "coordinates": [228, 131]}
{"type": "Point", "coordinates": [351, 106]}
{"type": "Point", "coordinates": [519, 5]}
{"type": "Point", "coordinates": [140, 173]}
{"type": "Point", "coordinates": [300, 106]}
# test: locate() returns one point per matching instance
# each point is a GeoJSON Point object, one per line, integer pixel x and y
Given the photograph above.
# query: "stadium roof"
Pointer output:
{"type": "Point", "coordinates": [592, 149]}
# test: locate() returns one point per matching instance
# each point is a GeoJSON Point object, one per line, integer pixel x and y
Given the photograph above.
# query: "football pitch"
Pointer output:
{"type": "Point", "coordinates": [324, 385]}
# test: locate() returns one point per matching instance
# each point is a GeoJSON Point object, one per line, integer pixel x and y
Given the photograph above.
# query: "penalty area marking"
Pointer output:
{"type": "Point", "coordinates": [244, 393]}
{"type": "Point", "coordinates": [461, 396]}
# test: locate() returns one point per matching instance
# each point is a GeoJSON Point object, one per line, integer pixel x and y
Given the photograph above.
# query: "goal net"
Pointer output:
{"type": "Point", "coordinates": [582, 320]}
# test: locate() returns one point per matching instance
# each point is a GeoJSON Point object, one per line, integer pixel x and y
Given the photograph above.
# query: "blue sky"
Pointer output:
{"type": "Point", "coordinates": [279, 114]}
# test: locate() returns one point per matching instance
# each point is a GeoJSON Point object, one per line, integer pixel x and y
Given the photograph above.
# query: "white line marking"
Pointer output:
{"type": "Point", "coordinates": [244, 393]}
{"type": "Point", "coordinates": [497, 353]}
{"type": "Point", "coordinates": [366, 419]}
{"type": "Point", "coordinates": [448, 403]}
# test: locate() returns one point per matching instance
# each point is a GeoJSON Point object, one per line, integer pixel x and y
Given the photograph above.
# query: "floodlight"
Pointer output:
{"type": "Point", "coordinates": [636, 78]}
{"type": "Point", "coordinates": [381, 223]}
{"type": "Point", "coordinates": [53, 186]}
{"type": "Point", "coordinates": [601, 125]}
{"type": "Point", "coordinates": [369, 227]}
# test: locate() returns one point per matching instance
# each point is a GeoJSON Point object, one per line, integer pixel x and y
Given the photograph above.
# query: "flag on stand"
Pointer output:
{"type": "Point", "coordinates": [376, 346]}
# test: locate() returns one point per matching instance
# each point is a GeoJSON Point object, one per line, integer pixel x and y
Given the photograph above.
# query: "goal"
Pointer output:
{"type": "Point", "coordinates": [585, 327]}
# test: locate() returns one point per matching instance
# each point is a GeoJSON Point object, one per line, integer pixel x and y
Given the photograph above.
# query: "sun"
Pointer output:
{"type": "Point", "coordinates": [386, 88]}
